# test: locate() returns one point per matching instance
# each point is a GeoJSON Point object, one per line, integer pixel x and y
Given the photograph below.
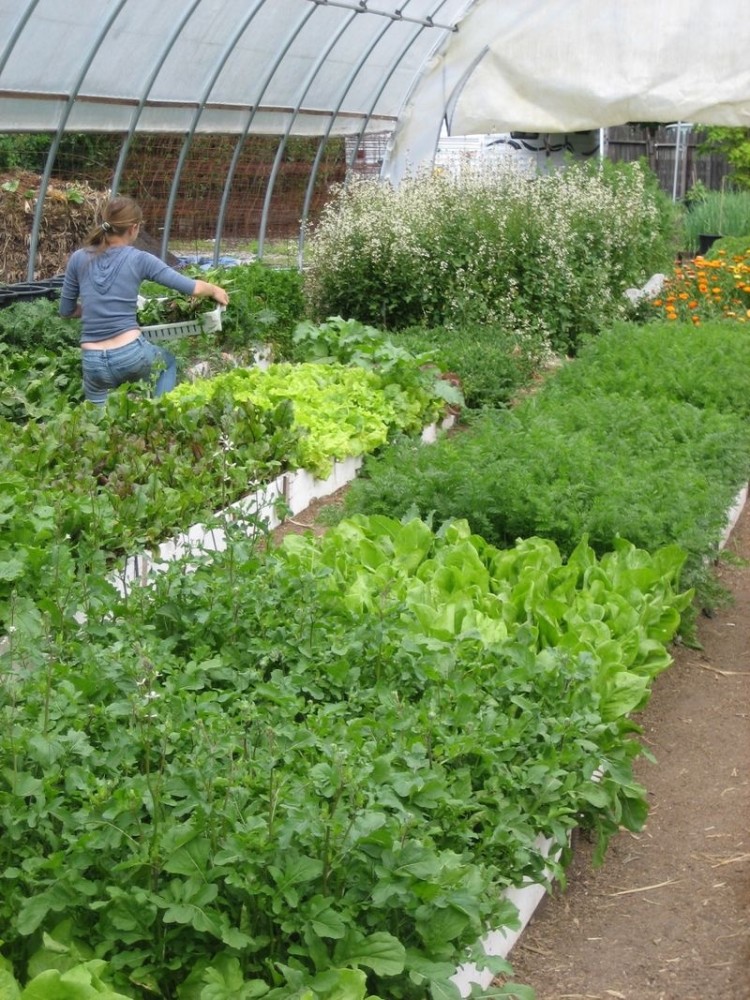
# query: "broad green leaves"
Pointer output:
{"type": "Point", "coordinates": [311, 773]}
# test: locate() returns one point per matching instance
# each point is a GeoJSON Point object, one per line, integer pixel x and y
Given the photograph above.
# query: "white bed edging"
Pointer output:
{"type": "Point", "coordinates": [498, 944]}
{"type": "Point", "coordinates": [733, 516]}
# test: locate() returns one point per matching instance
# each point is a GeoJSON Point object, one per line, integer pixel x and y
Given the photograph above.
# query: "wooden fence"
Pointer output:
{"type": "Point", "coordinates": [678, 169]}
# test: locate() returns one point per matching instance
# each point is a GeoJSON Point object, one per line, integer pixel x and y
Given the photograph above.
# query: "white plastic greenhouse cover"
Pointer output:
{"type": "Point", "coordinates": [347, 67]}
{"type": "Point", "coordinates": [333, 67]}
{"type": "Point", "coordinates": [221, 66]}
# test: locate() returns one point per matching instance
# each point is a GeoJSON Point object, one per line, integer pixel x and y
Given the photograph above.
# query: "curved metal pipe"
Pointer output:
{"type": "Point", "coordinates": [307, 83]}
{"type": "Point", "coordinates": [229, 178]}
{"type": "Point", "coordinates": [393, 15]}
{"type": "Point", "coordinates": [450, 104]}
{"type": "Point", "coordinates": [44, 183]}
{"type": "Point", "coordinates": [221, 62]}
{"type": "Point", "coordinates": [16, 33]}
{"type": "Point", "coordinates": [162, 58]}
{"type": "Point", "coordinates": [385, 82]}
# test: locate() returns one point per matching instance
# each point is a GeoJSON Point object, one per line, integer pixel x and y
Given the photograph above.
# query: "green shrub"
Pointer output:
{"type": "Point", "coordinates": [265, 304]}
{"type": "Point", "coordinates": [548, 257]}
{"type": "Point", "coordinates": [730, 247]}
{"type": "Point", "coordinates": [733, 143]}
{"type": "Point", "coordinates": [40, 366]}
{"type": "Point", "coordinates": [37, 324]}
{"type": "Point", "coordinates": [36, 384]}
{"type": "Point", "coordinates": [491, 363]}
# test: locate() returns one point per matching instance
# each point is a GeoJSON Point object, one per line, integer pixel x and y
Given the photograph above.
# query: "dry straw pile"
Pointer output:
{"type": "Point", "coordinates": [70, 210]}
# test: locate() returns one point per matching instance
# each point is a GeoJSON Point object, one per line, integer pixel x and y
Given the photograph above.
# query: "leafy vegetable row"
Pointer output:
{"type": "Point", "coordinates": [645, 436]}
{"type": "Point", "coordinates": [310, 773]}
{"type": "Point", "coordinates": [84, 485]}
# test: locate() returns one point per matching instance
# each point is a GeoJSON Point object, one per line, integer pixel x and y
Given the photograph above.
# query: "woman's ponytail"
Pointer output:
{"type": "Point", "coordinates": [117, 217]}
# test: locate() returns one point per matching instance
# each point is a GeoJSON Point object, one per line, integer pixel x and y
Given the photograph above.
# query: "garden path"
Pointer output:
{"type": "Point", "coordinates": [667, 917]}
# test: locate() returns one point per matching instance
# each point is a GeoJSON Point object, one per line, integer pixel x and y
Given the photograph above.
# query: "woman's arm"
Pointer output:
{"type": "Point", "coordinates": [69, 306]}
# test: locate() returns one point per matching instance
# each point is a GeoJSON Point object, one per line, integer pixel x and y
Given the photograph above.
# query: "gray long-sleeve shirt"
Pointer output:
{"type": "Point", "coordinates": [107, 283]}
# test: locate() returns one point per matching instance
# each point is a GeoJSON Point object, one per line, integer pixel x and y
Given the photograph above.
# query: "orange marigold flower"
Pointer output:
{"type": "Point", "coordinates": [693, 304]}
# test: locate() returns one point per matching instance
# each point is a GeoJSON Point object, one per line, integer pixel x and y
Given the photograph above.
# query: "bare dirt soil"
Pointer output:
{"type": "Point", "coordinates": [667, 916]}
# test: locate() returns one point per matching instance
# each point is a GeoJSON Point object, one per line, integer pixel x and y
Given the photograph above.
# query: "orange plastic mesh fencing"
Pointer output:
{"type": "Point", "coordinates": [152, 162]}
{"type": "Point", "coordinates": [83, 172]}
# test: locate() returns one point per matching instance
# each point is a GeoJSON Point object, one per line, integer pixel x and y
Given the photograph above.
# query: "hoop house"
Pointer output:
{"type": "Point", "coordinates": [333, 70]}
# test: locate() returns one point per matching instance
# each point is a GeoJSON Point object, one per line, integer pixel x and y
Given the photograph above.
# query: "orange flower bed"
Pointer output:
{"type": "Point", "coordinates": [708, 289]}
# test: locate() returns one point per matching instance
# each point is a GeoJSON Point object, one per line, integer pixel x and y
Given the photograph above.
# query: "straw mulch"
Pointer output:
{"type": "Point", "coordinates": [70, 211]}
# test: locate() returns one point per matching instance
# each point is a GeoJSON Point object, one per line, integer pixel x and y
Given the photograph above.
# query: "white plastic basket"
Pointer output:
{"type": "Point", "coordinates": [208, 322]}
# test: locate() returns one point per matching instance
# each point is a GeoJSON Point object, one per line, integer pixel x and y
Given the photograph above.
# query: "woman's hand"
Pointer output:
{"type": "Point", "coordinates": [215, 292]}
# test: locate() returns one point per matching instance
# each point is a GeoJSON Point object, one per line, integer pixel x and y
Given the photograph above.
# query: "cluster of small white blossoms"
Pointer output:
{"type": "Point", "coordinates": [455, 236]}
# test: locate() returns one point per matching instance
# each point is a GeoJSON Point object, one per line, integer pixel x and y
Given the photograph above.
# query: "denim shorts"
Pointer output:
{"type": "Point", "coordinates": [134, 362]}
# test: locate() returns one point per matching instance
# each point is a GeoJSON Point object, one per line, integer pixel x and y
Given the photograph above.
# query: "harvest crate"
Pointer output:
{"type": "Point", "coordinates": [208, 322]}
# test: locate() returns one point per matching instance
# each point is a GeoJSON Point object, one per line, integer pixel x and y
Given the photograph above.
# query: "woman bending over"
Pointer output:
{"type": "Point", "coordinates": [101, 285]}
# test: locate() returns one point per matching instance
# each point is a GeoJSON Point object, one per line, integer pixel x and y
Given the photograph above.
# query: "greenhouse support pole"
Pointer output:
{"type": "Point", "coordinates": [684, 165]}
{"type": "Point", "coordinates": [44, 182]}
{"type": "Point", "coordinates": [226, 52]}
{"type": "Point", "coordinates": [306, 84]}
{"type": "Point", "coordinates": [16, 34]}
{"type": "Point", "coordinates": [677, 134]}
{"type": "Point", "coordinates": [416, 136]}
{"type": "Point", "coordinates": [348, 83]}
{"type": "Point", "coordinates": [347, 86]}
{"type": "Point", "coordinates": [679, 177]}
{"type": "Point", "coordinates": [229, 179]}
{"type": "Point", "coordinates": [384, 83]}
{"type": "Point", "coordinates": [162, 58]}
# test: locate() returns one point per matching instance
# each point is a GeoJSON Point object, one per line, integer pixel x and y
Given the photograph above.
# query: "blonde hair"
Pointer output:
{"type": "Point", "coordinates": [117, 216]}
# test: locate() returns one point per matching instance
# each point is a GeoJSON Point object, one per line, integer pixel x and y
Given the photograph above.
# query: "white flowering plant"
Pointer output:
{"type": "Point", "coordinates": [548, 256]}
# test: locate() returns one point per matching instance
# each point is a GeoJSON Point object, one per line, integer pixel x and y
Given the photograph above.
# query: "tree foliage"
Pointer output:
{"type": "Point", "coordinates": [734, 144]}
